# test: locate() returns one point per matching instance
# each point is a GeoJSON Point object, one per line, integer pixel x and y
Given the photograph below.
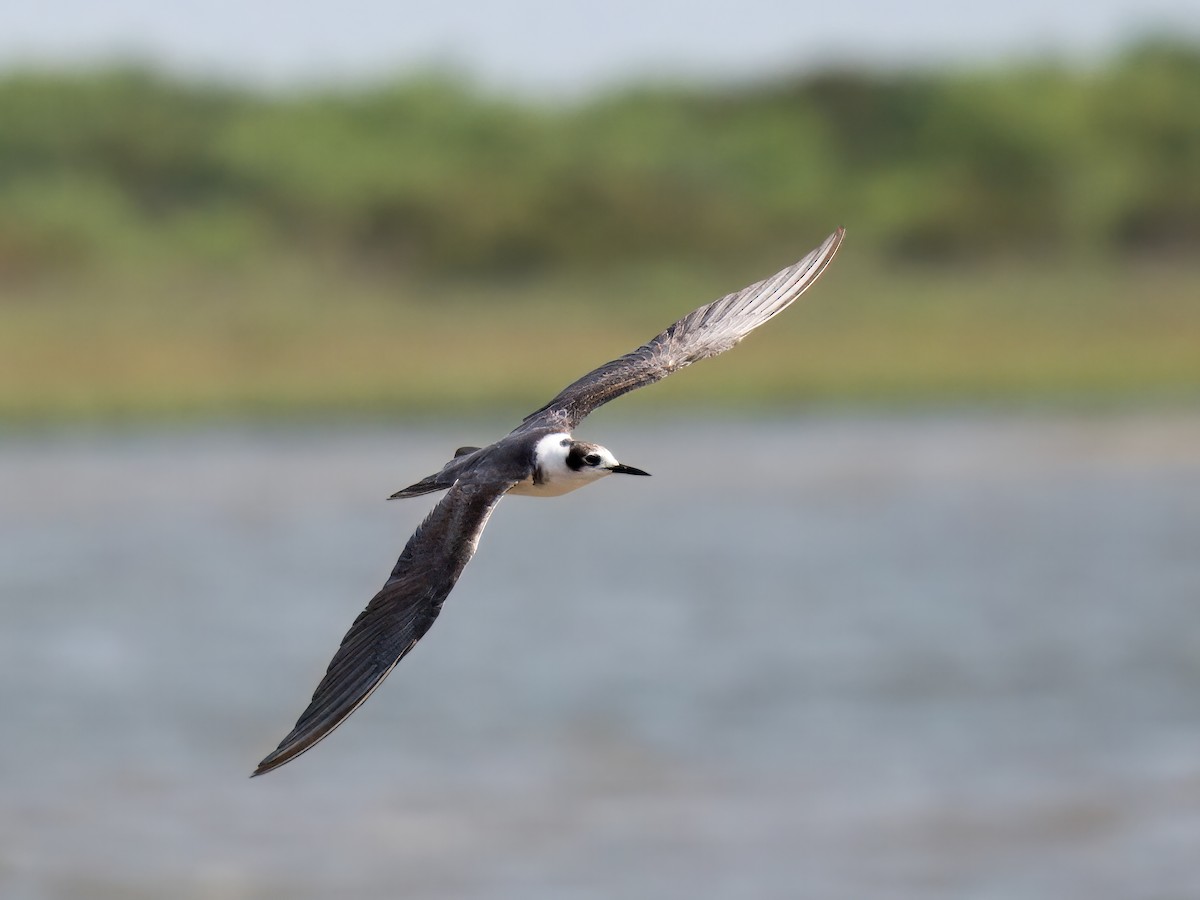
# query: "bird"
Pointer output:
{"type": "Point", "coordinates": [539, 458]}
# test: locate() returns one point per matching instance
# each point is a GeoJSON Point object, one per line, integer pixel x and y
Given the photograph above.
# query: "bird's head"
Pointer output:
{"type": "Point", "coordinates": [594, 461]}
{"type": "Point", "coordinates": [564, 464]}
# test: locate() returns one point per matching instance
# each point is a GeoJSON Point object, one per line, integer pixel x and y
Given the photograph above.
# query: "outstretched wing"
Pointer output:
{"type": "Point", "coordinates": [707, 331]}
{"type": "Point", "coordinates": [397, 617]}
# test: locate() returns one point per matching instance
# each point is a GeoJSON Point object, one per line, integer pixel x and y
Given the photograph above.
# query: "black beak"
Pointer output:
{"type": "Point", "coordinates": [621, 469]}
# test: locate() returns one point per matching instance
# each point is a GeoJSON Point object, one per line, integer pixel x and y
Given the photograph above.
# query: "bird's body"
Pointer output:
{"type": "Point", "coordinates": [539, 458]}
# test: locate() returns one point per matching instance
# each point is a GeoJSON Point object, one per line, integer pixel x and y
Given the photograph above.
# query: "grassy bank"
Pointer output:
{"type": "Point", "coordinates": [293, 339]}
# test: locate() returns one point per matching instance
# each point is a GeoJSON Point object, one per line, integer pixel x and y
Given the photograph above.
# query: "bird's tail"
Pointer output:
{"type": "Point", "coordinates": [441, 481]}
{"type": "Point", "coordinates": [426, 485]}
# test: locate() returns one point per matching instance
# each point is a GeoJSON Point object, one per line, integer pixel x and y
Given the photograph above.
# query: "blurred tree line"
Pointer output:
{"type": "Point", "coordinates": [429, 174]}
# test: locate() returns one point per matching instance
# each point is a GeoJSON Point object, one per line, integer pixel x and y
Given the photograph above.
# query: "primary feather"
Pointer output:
{"type": "Point", "coordinates": [702, 333]}
{"type": "Point", "coordinates": [397, 617]}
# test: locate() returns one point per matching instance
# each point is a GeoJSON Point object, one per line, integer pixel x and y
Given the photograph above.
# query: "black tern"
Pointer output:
{"type": "Point", "coordinates": [539, 458]}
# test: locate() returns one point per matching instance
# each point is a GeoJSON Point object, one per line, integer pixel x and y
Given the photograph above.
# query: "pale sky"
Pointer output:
{"type": "Point", "coordinates": [553, 46]}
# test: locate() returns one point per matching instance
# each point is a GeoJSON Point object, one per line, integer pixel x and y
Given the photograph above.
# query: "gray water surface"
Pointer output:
{"type": "Point", "coordinates": [929, 658]}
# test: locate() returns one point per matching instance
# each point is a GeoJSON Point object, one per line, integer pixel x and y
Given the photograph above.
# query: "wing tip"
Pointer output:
{"type": "Point", "coordinates": [817, 261]}
{"type": "Point", "coordinates": [797, 278]}
{"type": "Point", "coordinates": [832, 243]}
{"type": "Point", "coordinates": [288, 750]}
{"type": "Point", "coordinates": [307, 735]}
{"type": "Point", "coordinates": [268, 765]}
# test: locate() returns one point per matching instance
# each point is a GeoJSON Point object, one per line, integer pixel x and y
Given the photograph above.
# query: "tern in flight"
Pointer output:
{"type": "Point", "coordinates": [538, 459]}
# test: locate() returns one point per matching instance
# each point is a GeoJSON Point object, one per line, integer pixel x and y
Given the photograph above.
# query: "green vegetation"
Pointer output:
{"type": "Point", "coordinates": [170, 248]}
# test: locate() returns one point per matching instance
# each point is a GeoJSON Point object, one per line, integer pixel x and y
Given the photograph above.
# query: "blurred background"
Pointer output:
{"type": "Point", "coordinates": [911, 607]}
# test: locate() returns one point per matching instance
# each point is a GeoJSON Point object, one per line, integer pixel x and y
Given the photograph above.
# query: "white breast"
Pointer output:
{"type": "Point", "coordinates": [554, 488]}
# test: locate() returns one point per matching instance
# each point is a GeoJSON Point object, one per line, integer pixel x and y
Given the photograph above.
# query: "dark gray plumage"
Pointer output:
{"type": "Point", "coordinates": [398, 616]}
{"type": "Point", "coordinates": [539, 457]}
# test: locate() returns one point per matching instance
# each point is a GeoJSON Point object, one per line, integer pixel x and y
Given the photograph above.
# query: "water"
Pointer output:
{"type": "Point", "coordinates": [933, 658]}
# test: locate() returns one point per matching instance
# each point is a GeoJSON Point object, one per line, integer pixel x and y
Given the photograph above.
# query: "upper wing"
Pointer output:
{"type": "Point", "coordinates": [707, 331]}
{"type": "Point", "coordinates": [398, 615]}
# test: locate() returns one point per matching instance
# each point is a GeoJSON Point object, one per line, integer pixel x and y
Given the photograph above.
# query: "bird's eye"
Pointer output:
{"type": "Point", "coordinates": [565, 442]}
{"type": "Point", "coordinates": [592, 459]}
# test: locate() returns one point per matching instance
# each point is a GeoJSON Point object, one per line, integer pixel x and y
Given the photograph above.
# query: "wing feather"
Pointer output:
{"type": "Point", "coordinates": [397, 617]}
{"type": "Point", "coordinates": [702, 333]}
